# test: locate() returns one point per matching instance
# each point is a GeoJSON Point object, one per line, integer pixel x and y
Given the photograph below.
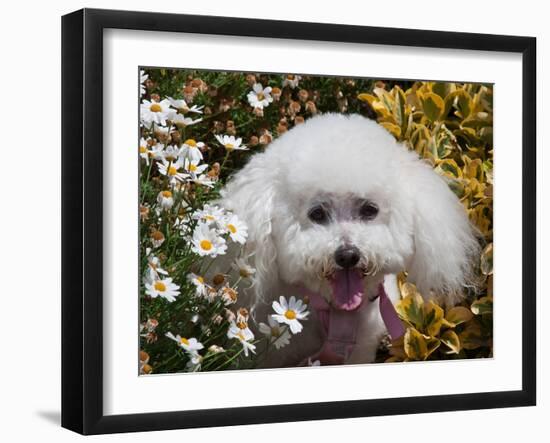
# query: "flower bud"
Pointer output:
{"type": "Point", "coordinates": [253, 141]}
{"type": "Point", "coordinates": [218, 279]}
{"type": "Point", "coordinates": [303, 95]}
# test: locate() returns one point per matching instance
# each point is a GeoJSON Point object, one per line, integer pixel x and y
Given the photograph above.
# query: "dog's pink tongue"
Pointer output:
{"type": "Point", "coordinates": [347, 289]}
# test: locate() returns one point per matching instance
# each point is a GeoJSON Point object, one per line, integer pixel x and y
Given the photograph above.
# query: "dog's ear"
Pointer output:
{"type": "Point", "coordinates": [446, 245]}
{"type": "Point", "coordinates": [250, 195]}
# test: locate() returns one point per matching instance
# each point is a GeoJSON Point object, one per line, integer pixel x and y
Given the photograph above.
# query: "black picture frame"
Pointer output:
{"type": "Point", "coordinates": [82, 217]}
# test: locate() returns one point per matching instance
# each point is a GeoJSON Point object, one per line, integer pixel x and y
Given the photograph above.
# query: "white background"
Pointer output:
{"type": "Point", "coordinates": [30, 267]}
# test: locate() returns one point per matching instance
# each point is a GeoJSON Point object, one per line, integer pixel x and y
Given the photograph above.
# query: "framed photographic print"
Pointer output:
{"type": "Point", "coordinates": [270, 221]}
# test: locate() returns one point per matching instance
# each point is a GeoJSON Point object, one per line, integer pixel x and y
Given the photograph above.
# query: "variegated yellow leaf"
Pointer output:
{"type": "Point", "coordinates": [370, 99]}
{"type": "Point", "coordinates": [432, 344]}
{"type": "Point", "coordinates": [486, 260]}
{"type": "Point", "coordinates": [482, 306]}
{"type": "Point", "coordinates": [449, 167]}
{"type": "Point", "coordinates": [433, 106]}
{"type": "Point", "coordinates": [463, 103]}
{"type": "Point", "coordinates": [451, 340]}
{"type": "Point", "coordinates": [458, 315]}
{"type": "Point", "coordinates": [392, 128]}
{"type": "Point", "coordinates": [471, 337]}
{"type": "Point", "coordinates": [415, 345]}
{"type": "Point", "coordinates": [410, 309]}
{"type": "Point", "coordinates": [433, 316]}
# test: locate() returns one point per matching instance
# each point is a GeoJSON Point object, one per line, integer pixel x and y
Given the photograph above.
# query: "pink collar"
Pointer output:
{"type": "Point", "coordinates": [341, 326]}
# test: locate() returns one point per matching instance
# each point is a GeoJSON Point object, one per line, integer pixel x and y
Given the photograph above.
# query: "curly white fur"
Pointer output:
{"type": "Point", "coordinates": [421, 227]}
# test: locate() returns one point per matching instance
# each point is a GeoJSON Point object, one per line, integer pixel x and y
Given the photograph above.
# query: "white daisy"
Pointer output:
{"type": "Point", "coordinates": [203, 180]}
{"type": "Point", "coordinates": [194, 364]}
{"type": "Point", "coordinates": [157, 238]}
{"type": "Point", "coordinates": [156, 152]}
{"type": "Point", "coordinates": [291, 80]}
{"type": "Point", "coordinates": [162, 132]}
{"type": "Point", "coordinates": [191, 150]}
{"type": "Point", "coordinates": [215, 349]}
{"type": "Point", "coordinates": [190, 345]}
{"type": "Point", "coordinates": [290, 313]}
{"type": "Point", "coordinates": [181, 121]}
{"type": "Point", "coordinates": [154, 112]}
{"type": "Point", "coordinates": [154, 265]}
{"type": "Point", "coordinates": [165, 199]}
{"type": "Point", "coordinates": [164, 288]}
{"type": "Point", "coordinates": [206, 241]}
{"type": "Point", "coordinates": [171, 153]}
{"type": "Point", "coordinates": [201, 288]}
{"type": "Point", "coordinates": [229, 295]}
{"type": "Point", "coordinates": [259, 97]}
{"type": "Point", "coordinates": [237, 229]}
{"type": "Point", "coordinates": [142, 77]}
{"type": "Point", "coordinates": [209, 214]}
{"type": "Point", "coordinates": [172, 170]}
{"type": "Point", "coordinates": [243, 268]}
{"type": "Point", "coordinates": [231, 143]}
{"type": "Point", "coordinates": [193, 168]}
{"type": "Point", "coordinates": [279, 337]}
{"type": "Point", "coordinates": [242, 333]}
{"type": "Point", "coordinates": [182, 106]}
{"type": "Point", "coordinates": [144, 151]}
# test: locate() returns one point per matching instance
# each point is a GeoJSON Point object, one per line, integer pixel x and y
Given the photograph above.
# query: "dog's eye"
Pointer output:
{"type": "Point", "coordinates": [318, 214]}
{"type": "Point", "coordinates": [368, 211]}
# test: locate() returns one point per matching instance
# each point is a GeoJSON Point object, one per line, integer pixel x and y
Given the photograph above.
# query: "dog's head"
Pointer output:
{"type": "Point", "coordinates": [336, 203]}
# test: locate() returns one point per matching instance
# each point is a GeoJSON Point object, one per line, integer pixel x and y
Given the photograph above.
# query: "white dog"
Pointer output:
{"type": "Point", "coordinates": [333, 207]}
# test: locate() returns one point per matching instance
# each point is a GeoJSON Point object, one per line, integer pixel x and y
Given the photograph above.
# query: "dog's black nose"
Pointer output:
{"type": "Point", "coordinates": [347, 256]}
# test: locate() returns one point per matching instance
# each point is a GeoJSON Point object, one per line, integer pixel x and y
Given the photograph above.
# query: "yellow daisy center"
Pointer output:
{"type": "Point", "coordinates": [191, 142]}
{"type": "Point", "coordinates": [209, 217]}
{"type": "Point", "coordinates": [229, 146]}
{"type": "Point", "coordinates": [232, 228]}
{"type": "Point", "coordinates": [142, 149]}
{"type": "Point", "coordinates": [166, 194]}
{"type": "Point", "coordinates": [160, 286]}
{"type": "Point", "coordinates": [184, 341]}
{"type": "Point", "coordinates": [172, 170]}
{"type": "Point", "coordinates": [200, 279]}
{"type": "Point", "coordinates": [155, 107]}
{"type": "Point", "coordinates": [260, 95]}
{"type": "Point", "coordinates": [192, 167]}
{"type": "Point", "coordinates": [206, 245]}
{"type": "Point", "coordinates": [290, 314]}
